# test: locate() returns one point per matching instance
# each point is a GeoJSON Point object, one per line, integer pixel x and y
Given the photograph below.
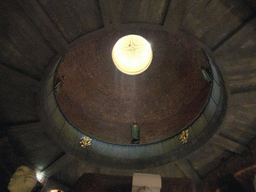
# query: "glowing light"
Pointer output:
{"type": "Point", "coordinates": [40, 177]}
{"type": "Point", "coordinates": [132, 54]}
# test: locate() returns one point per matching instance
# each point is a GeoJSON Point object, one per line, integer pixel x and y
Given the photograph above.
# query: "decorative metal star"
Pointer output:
{"type": "Point", "coordinates": [184, 137]}
{"type": "Point", "coordinates": [132, 48]}
{"type": "Point", "coordinates": [85, 142]}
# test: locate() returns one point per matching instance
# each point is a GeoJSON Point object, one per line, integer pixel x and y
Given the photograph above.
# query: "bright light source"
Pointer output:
{"type": "Point", "coordinates": [40, 177]}
{"type": "Point", "coordinates": [132, 54]}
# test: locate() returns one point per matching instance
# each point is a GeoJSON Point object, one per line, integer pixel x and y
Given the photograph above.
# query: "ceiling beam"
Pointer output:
{"type": "Point", "coordinates": [26, 128]}
{"type": "Point", "coordinates": [248, 98]}
{"type": "Point", "coordinates": [57, 165]}
{"type": "Point", "coordinates": [188, 170]}
{"type": "Point", "coordinates": [248, 128]}
{"type": "Point", "coordinates": [228, 144]}
{"type": "Point", "coordinates": [238, 37]}
{"type": "Point", "coordinates": [175, 15]}
{"type": "Point", "coordinates": [236, 55]}
{"type": "Point", "coordinates": [46, 25]}
{"type": "Point", "coordinates": [111, 12]}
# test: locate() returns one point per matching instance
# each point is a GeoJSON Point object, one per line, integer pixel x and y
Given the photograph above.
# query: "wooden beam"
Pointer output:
{"type": "Point", "coordinates": [45, 24]}
{"type": "Point", "coordinates": [248, 98]}
{"type": "Point", "coordinates": [228, 144]}
{"type": "Point", "coordinates": [57, 165]}
{"type": "Point", "coordinates": [248, 128]}
{"type": "Point", "coordinates": [26, 128]}
{"type": "Point", "coordinates": [244, 85]}
{"type": "Point", "coordinates": [188, 170]}
{"type": "Point", "coordinates": [175, 15]}
{"type": "Point", "coordinates": [239, 38]}
{"type": "Point", "coordinates": [17, 98]}
{"type": "Point", "coordinates": [239, 69]}
{"type": "Point", "coordinates": [111, 12]}
{"type": "Point", "coordinates": [19, 71]}
{"type": "Point", "coordinates": [238, 54]}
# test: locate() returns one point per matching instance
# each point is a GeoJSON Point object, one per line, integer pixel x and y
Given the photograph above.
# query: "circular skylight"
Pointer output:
{"type": "Point", "coordinates": [132, 54]}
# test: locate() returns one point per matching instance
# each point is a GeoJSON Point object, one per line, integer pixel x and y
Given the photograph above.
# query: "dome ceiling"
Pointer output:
{"type": "Point", "coordinates": [34, 32]}
{"type": "Point", "coordinates": [103, 102]}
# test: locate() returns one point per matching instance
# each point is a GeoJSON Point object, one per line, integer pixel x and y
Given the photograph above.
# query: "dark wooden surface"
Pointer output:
{"type": "Point", "coordinates": [212, 21]}
{"type": "Point", "coordinates": [36, 144]}
{"type": "Point", "coordinates": [242, 166]}
{"type": "Point", "coordinates": [45, 24]}
{"type": "Point", "coordinates": [23, 47]}
{"type": "Point", "coordinates": [9, 162]}
{"type": "Point", "coordinates": [74, 18]}
{"type": "Point", "coordinates": [144, 11]}
{"type": "Point", "coordinates": [18, 97]}
{"type": "Point", "coordinates": [31, 34]}
{"type": "Point", "coordinates": [106, 183]}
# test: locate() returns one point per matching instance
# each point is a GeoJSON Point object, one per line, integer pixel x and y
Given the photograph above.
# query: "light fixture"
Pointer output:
{"type": "Point", "coordinates": [135, 134]}
{"type": "Point", "coordinates": [132, 54]}
{"type": "Point", "coordinates": [41, 178]}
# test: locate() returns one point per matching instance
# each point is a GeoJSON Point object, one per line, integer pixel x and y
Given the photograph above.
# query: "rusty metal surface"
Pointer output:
{"type": "Point", "coordinates": [102, 102]}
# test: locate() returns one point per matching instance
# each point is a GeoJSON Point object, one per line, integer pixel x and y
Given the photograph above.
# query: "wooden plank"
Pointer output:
{"type": "Point", "coordinates": [207, 157]}
{"type": "Point", "coordinates": [239, 123]}
{"type": "Point", "coordinates": [74, 18]}
{"type": "Point", "coordinates": [26, 128]}
{"type": "Point", "coordinates": [111, 12]}
{"type": "Point", "coordinates": [246, 128]}
{"type": "Point", "coordinates": [212, 21]}
{"type": "Point", "coordinates": [17, 98]}
{"type": "Point", "coordinates": [175, 15]}
{"type": "Point", "coordinates": [245, 114]}
{"type": "Point", "coordinates": [242, 82]}
{"type": "Point", "coordinates": [70, 173]}
{"type": "Point", "coordinates": [106, 183]}
{"type": "Point", "coordinates": [238, 134]}
{"type": "Point", "coordinates": [9, 157]}
{"type": "Point", "coordinates": [243, 99]}
{"type": "Point", "coordinates": [228, 144]}
{"type": "Point", "coordinates": [188, 170]}
{"type": "Point", "coordinates": [237, 54]}
{"type": "Point", "coordinates": [144, 11]}
{"type": "Point", "coordinates": [53, 184]}
{"type": "Point", "coordinates": [243, 86]}
{"type": "Point", "coordinates": [239, 69]}
{"type": "Point", "coordinates": [234, 66]}
{"type": "Point", "coordinates": [32, 142]}
{"type": "Point", "coordinates": [45, 24]}
{"type": "Point", "coordinates": [22, 45]}
{"type": "Point", "coordinates": [245, 37]}
{"type": "Point", "coordinates": [57, 165]}
{"type": "Point", "coordinates": [252, 3]}
{"type": "Point", "coordinates": [169, 170]}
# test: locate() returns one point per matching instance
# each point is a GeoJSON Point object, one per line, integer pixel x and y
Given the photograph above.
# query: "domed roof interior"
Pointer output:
{"type": "Point", "coordinates": [36, 34]}
{"type": "Point", "coordinates": [103, 102]}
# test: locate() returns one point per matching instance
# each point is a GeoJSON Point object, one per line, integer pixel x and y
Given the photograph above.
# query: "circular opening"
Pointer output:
{"type": "Point", "coordinates": [67, 124]}
{"type": "Point", "coordinates": [132, 54]}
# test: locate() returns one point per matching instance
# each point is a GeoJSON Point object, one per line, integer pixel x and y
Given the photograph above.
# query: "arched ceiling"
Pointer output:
{"type": "Point", "coordinates": [103, 102]}
{"type": "Point", "coordinates": [33, 32]}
